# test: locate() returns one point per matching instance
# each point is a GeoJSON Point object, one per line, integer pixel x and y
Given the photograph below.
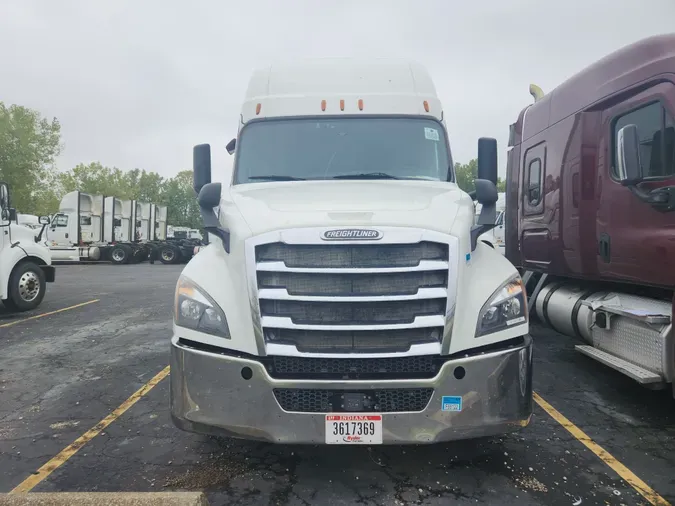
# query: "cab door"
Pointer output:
{"type": "Point", "coordinates": [59, 231]}
{"type": "Point", "coordinates": [636, 241]}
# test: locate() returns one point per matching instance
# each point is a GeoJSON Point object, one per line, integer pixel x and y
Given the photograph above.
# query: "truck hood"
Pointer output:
{"type": "Point", "coordinates": [271, 206]}
{"type": "Point", "coordinates": [23, 234]}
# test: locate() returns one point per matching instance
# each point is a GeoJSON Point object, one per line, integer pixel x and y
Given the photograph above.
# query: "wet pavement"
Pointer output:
{"type": "Point", "coordinates": [63, 373]}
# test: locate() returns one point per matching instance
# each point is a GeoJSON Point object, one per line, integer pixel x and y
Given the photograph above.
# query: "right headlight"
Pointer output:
{"type": "Point", "coordinates": [505, 308]}
{"type": "Point", "coordinates": [195, 310]}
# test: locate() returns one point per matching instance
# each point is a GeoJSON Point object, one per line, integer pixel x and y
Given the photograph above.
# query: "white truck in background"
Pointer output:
{"type": "Point", "coordinates": [495, 237]}
{"type": "Point", "coordinates": [28, 220]}
{"type": "Point", "coordinates": [345, 297]}
{"type": "Point", "coordinates": [93, 228]}
{"type": "Point", "coordinates": [25, 263]}
{"type": "Point", "coordinates": [184, 233]}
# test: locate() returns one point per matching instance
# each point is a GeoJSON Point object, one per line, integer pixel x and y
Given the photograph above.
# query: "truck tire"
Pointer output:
{"type": "Point", "coordinates": [169, 254]}
{"type": "Point", "coordinates": [120, 254]}
{"type": "Point", "coordinates": [27, 287]}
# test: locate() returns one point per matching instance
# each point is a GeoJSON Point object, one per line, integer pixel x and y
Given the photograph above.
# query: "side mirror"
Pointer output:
{"type": "Point", "coordinates": [44, 220]}
{"type": "Point", "coordinates": [628, 164]}
{"type": "Point", "coordinates": [208, 198]}
{"type": "Point", "coordinates": [11, 214]}
{"type": "Point", "coordinates": [4, 196]}
{"type": "Point", "coordinates": [201, 166]}
{"type": "Point", "coordinates": [487, 159]}
{"type": "Point", "coordinates": [486, 195]}
{"type": "Point", "coordinates": [231, 145]}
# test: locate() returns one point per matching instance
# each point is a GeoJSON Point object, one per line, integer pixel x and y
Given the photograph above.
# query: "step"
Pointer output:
{"type": "Point", "coordinates": [639, 374]}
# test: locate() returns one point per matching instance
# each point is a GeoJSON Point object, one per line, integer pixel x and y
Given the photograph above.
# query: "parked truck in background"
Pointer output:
{"type": "Point", "coordinates": [25, 263]}
{"type": "Point", "coordinates": [590, 211]}
{"type": "Point", "coordinates": [92, 228]}
{"type": "Point", "coordinates": [28, 220]}
{"type": "Point", "coordinates": [98, 228]}
{"type": "Point", "coordinates": [345, 297]}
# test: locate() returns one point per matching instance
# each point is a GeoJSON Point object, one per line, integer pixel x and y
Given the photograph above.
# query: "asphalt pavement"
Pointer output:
{"type": "Point", "coordinates": [103, 331]}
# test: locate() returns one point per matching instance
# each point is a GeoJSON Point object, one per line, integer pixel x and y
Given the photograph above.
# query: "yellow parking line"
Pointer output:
{"type": "Point", "coordinates": [29, 483]}
{"type": "Point", "coordinates": [642, 488]}
{"type": "Point", "coordinates": [48, 314]}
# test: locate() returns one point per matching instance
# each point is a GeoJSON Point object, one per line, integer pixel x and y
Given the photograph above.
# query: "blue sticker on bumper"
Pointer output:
{"type": "Point", "coordinates": [451, 403]}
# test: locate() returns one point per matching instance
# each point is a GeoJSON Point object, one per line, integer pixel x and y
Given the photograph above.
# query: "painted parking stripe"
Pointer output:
{"type": "Point", "coordinates": [33, 480]}
{"type": "Point", "coordinates": [4, 325]}
{"type": "Point", "coordinates": [626, 474]}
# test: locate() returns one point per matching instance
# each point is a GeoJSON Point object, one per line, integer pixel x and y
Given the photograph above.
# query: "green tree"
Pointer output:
{"type": "Point", "coordinates": [29, 144]}
{"type": "Point", "coordinates": [180, 198]}
{"type": "Point", "coordinates": [466, 173]}
{"type": "Point", "coordinates": [97, 179]}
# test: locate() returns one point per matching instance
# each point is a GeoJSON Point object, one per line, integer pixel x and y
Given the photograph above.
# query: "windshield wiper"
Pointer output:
{"type": "Point", "coordinates": [275, 177]}
{"type": "Point", "coordinates": [368, 175]}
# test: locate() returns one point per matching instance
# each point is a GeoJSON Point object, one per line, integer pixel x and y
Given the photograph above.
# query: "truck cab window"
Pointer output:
{"type": "Point", "coordinates": [85, 220]}
{"type": "Point", "coordinates": [342, 148]}
{"type": "Point", "coordinates": [657, 139]}
{"type": "Point", "coordinates": [60, 220]}
{"type": "Point", "coordinates": [534, 182]}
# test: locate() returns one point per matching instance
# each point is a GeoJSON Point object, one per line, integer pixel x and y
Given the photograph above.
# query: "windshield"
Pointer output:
{"type": "Point", "coordinates": [342, 148]}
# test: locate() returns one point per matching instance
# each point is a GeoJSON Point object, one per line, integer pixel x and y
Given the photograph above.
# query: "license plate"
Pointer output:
{"type": "Point", "coordinates": [353, 429]}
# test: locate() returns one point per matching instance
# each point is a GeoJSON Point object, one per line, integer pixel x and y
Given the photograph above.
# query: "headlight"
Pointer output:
{"type": "Point", "coordinates": [507, 307]}
{"type": "Point", "coordinates": [194, 309]}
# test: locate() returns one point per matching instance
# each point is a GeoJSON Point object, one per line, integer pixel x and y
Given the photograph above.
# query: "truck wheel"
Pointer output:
{"type": "Point", "coordinates": [168, 255]}
{"type": "Point", "coordinates": [120, 254]}
{"type": "Point", "coordinates": [27, 286]}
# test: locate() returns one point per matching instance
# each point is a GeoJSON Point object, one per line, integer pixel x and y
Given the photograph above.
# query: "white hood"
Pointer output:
{"type": "Point", "coordinates": [265, 207]}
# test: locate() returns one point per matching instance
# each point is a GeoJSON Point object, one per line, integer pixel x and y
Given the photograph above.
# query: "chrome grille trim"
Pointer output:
{"type": "Point", "coordinates": [282, 294]}
{"type": "Point", "coordinates": [401, 239]}
{"type": "Point", "coordinates": [424, 265]}
{"type": "Point", "coordinates": [281, 322]}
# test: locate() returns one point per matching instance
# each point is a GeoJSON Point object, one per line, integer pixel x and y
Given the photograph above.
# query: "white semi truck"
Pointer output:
{"type": "Point", "coordinates": [25, 263]}
{"type": "Point", "coordinates": [344, 297]}
{"type": "Point", "coordinates": [98, 228]}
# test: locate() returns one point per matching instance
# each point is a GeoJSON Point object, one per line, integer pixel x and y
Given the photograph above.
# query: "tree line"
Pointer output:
{"type": "Point", "coordinates": [30, 144]}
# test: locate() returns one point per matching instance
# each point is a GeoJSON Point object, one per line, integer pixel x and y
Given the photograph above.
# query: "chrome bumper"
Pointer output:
{"type": "Point", "coordinates": [209, 395]}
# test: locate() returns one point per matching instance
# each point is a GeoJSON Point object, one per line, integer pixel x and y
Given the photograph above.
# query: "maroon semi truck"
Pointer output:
{"type": "Point", "coordinates": [590, 209]}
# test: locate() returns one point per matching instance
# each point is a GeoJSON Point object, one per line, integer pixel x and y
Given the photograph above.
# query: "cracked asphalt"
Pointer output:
{"type": "Point", "coordinates": [63, 373]}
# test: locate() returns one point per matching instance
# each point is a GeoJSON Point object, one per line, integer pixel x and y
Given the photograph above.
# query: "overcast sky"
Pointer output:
{"type": "Point", "coordinates": [136, 83]}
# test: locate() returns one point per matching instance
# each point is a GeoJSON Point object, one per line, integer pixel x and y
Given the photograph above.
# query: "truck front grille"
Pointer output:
{"type": "Point", "coordinates": [415, 367]}
{"type": "Point", "coordinates": [392, 400]}
{"type": "Point", "coordinates": [392, 283]}
{"type": "Point", "coordinates": [346, 255]}
{"type": "Point", "coordinates": [352, 298]}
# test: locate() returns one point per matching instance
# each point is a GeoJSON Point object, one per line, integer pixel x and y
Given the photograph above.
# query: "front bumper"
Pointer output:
{"type": "Point", "coordinates": [209, 395]}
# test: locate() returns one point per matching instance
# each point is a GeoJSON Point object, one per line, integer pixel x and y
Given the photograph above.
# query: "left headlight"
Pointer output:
{"type": "Point", "coordinates": [505, 308]}
{"type": "Point", "coordinates": [195, 310]}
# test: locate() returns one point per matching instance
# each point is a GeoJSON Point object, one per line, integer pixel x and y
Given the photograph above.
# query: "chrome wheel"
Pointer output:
{"type": "Point", "coordinates": [29, 286]}
{"type": "Point", "coordinates": [168, 255]}
{"type": "Point", "coordinates": [118, 255]}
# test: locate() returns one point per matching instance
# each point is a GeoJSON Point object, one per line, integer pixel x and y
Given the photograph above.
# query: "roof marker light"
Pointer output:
{"type": "Point", "coordinates": [426, 106]}
{"type": "Point", "coordinates": [257, 109]}
{"type": "Point", "coordinates": [323, 105]}
{"type": "Point", "coordinates": [342, 105]}
{"type": "Point", "coordinates": [360, 104]}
